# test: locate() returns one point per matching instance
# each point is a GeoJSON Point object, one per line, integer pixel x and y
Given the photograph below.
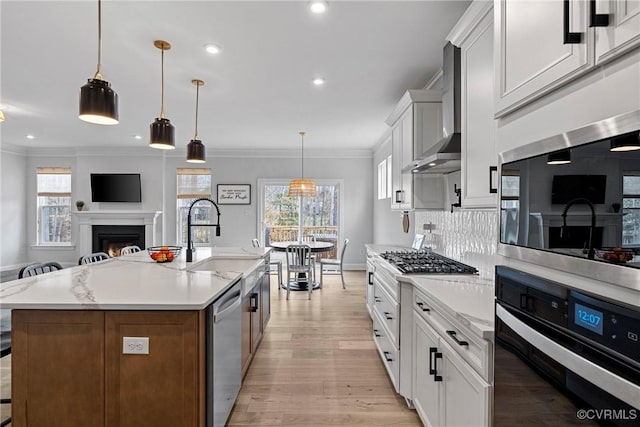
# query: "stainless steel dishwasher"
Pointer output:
{"type": "Point", "coordinates": [224, 350]}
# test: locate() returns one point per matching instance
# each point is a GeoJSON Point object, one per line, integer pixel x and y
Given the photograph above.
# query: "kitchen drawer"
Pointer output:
{"type": "Point", "coordinates": [388, 352]}
{"type": "Point", "coordinates": [388, 310]}
{"type": "Point", "coordinates": [387, 279]}
{"type": "Point", "coordinates": [476, 351]}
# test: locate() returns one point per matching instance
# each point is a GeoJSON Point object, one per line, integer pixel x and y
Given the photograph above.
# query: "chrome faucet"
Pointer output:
{"type": "Point", "coordinates": [189, 225]}
{"type": "Point", "coordinates": [592, 251]}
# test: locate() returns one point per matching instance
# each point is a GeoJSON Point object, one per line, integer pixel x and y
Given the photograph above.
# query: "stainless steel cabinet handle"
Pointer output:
{"type": "Point", "coordinates": [387, 357]}
{"type": "Point", "coordinates": [452, 334]}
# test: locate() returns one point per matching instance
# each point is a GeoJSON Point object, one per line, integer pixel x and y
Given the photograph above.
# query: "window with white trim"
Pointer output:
{"type": "Point", "coordinates": [53, 203]}
{"type": "Point", "coordinates": [384, 178]}
{"type": "Point", "coordinates": [631, 208]}
{"type": "Point", "coordinates": [192, 184]}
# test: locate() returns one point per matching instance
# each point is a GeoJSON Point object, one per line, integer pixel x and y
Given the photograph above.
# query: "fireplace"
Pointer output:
{"type": "Point", "coordinates": [112, 238]}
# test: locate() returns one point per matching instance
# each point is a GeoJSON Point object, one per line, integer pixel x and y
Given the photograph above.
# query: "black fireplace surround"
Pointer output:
{"type": "Point", "coordinates": [112, 238]}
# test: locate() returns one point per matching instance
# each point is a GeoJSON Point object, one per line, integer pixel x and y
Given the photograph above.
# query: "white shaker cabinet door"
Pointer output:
{"type": "Point", "coordinates": [531, 55]}
{"type": "Point", "coordinates": [466, 394]}
{"type": "Point", "coordinates": [478, 126]}
{"type": "Point", "coordinates": [426, 391]}
{"type": "Point", "coordinates": [623, 30]}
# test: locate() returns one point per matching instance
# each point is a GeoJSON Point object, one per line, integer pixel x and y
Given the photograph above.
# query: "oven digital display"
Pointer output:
{"type": "Point", "coordinates": [588, 318]}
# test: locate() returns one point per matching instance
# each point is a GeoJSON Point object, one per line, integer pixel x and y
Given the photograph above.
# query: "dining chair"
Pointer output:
{"type": "Point", "coordinates": [334, 265]}
{"type": "Point", "coordinates": [298, 263]}
{"type": "Point", "coordinates": [30, 270]}
{"type": "Point", "coordinates": [130, 250]}
{"type": "Point", "coordinates": [94, 257]}
{"type": "Point", "coordinates": [311, 238]}
{"type": "Point", "coordinates": [38, 268]}
{"type": "Point", "coordinates": [275, 267]}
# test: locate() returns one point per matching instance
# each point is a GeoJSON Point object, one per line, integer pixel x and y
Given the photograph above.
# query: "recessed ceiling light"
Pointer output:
{"type": "Point", "coordinates": [31, 136]}
{"type": "Point", "coordinates": [137, 137]}
{"type": "Point", "coordinates": [213, 49]}
{"type": "Point", "coordinates": [432, 164]}
{"type": "Point", "coordinates": [318, 81]}
{"type": "Point", "coordinates": [318, 6]}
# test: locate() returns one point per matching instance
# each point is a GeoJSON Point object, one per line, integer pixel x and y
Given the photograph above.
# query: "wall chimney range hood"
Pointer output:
{"type": "Point", "coordinates": [444, 156]}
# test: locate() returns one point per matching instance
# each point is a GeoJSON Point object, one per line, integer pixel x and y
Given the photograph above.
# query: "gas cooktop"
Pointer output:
{"type": "Point", "coordinates": [425, 262]}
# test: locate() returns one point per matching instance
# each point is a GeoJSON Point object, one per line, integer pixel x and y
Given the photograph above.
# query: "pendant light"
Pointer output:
{"type": "Point", "coordinates": [627, 142]}
{"type": "Point", "coordinates": [195, 147]}
{"type": "Point", "coordinates": [162, 131]}
{"type": "Point", "coordinates": [1, 116]}
{"type": "Point", "coordinates": [302, 187]}
{"type": "Point", "coordinates": [98, 102]}
{"type": "Point", "coordinates": [561, 157]}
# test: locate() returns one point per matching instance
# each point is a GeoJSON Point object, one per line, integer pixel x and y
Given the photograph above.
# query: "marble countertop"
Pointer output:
{"type": "Point", "coordinates": [469, 298]}
{"type": "Point", "coordinates": [135, 282]}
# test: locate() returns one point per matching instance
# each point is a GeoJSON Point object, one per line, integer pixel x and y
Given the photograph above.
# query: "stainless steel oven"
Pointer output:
{"type": "Point", "coordinates": [563, 357]}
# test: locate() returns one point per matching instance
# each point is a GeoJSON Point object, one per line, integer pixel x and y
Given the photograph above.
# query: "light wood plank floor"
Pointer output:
{"type": "Point", "coordinates": [317, 364]}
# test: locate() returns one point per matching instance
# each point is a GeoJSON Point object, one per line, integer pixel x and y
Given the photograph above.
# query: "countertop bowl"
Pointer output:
{"type": "Point", "coordinates": [164, 253]}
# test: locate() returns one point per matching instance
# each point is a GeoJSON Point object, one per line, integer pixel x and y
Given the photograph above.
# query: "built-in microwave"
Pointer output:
{"type": "Point", "coordinates": [572, 201]}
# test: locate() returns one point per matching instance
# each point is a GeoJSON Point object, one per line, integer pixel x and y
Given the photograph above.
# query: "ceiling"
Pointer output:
{"type": "Point", "coordinates": [258, 92]}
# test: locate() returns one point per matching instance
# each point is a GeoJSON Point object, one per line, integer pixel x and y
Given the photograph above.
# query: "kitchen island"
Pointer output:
{"type": "Point", "coordinates": [70, 364]}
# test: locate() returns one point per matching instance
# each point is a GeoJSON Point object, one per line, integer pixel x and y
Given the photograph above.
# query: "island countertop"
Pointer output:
{"type": "Point", "coordinates": [135, 282]}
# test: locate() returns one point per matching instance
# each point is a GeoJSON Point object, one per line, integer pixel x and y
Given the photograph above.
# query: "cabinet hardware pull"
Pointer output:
{"type": "Point", "coordinates": [376, 299]}
{"type": "Point", "coordinates": [452, 334]}
{"type": "Point", "coordinates": [436, 356]}
{"type": "Point", "coordinates": [421, 305]}
{"type": "Point", "coordinates": [399, 196]}
{"type": "Point", "coordinates": [597, 19]}
{"type": "Point", "coordinates": [254, 302]}
{"type": "Point", "coordinates": [386, 356]}
{"type": "Point", "coordinates": [432, 350]}
{"type": "Point", "coordinates": [371, 277]}
{"type": "Point", "coordinates": [387, 315]}
{"type": "Point", "coordinates": [376, 333]}
{"type": "Point", "coordinates": [493, 170]}
{"type": "Point", "coordinates": [569, 37]}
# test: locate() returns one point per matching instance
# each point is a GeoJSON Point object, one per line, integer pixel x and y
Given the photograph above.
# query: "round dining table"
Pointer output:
{"type": "Point", "coordinates": [301, 283]}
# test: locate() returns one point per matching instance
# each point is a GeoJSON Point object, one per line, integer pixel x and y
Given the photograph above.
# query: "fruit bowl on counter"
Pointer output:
{"type": "Point", "coordinates": [164, 253]}
{"type": "Point", "coordinates": [617, 255]}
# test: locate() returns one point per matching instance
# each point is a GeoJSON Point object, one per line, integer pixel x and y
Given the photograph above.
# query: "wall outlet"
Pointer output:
{"type": "Point", "coordinates": [135, 345]}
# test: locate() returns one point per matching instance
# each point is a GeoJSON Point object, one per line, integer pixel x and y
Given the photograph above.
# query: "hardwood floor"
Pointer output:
{"type": "Point", "coordinates": [317, 364]}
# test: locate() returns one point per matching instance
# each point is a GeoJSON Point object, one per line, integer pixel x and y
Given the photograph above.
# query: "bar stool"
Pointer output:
{"type": "Point", "coordinates": [275, 267]}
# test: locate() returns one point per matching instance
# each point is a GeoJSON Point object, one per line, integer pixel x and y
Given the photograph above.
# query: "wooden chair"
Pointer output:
{"type": "Point", "coordinates": [275, 267]}
{"type": "Point", "coordinates": [5, 315]}
{"type": "Point", "coordinates": [334, 265]}
{"type": "Point", "coordinates": [38, 268]}
{"type": "Point", "coordinates": [299, 262]}
{"type": "Point", "coordinates": [91, 258]}
{"type": "Point", "coordinates": [130, 250]}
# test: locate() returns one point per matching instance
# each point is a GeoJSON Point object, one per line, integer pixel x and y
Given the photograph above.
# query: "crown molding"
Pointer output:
{"type": "Point", "coordinates": [469, 20]}
{"type": "Point", "coordinates": [411, 96]}
{"type": "Point", "coordinates": [8, 148]}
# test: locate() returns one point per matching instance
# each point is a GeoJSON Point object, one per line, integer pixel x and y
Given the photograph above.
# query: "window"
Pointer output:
{"type": "Point", "coordinates": [384, 178]}
{"type": "Point", "coordinates": [631, 209]}
{"type": "Point", "coordinates": [54, 205]}
{"type": "Point", "coordinates": [192, 184]}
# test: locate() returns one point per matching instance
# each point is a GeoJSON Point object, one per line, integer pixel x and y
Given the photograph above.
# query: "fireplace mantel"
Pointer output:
{"type": "Point", "coordinates": [86, 219]}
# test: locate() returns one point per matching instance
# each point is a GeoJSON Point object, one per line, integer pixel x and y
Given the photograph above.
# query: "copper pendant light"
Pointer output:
{"type": "Point", "coordinates": [98, 102]}
{"type": "Point", "coordinates": [195, 147]}
{"type": "Point", "coordinates": [302, 187]}
{"type": "Point", "coordinates": [162, 131]}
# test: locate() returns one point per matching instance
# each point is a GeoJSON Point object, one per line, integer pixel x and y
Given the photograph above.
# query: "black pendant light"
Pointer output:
{"type": "Point", "coordinates": [561, 157]}
{"type": "Point", "coordinates": [195, 147]}
{"type": "Point", "coordinates": [628, 142]}
{"type": "Point", "coordinates": [162, 131]}
{"type": "Point", "coordinates": [98, 102]}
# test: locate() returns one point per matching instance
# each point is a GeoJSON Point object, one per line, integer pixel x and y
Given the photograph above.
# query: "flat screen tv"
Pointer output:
{"type": "Point", "coordinates": [568, 187]}
{"type": "Point", "coordinates": [115, 187]}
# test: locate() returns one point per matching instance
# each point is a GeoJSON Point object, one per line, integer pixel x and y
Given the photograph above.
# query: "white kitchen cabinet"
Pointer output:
{"type": "Point", "coordinates": [531, 56]}
{"type": "Point", "coordinates": [416, 124]}
{"type": "Point", "coordinates": [479, 157]}
{"type": "Point", "coordinates": [623, 32]}
{"type": "Point", "coordinates": [447, 391]}
{"type": "Point", "coordinates": [371, 268]}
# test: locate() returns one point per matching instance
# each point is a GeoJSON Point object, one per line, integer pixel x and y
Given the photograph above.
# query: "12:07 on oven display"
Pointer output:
{"type": "Point", "coordinates": [588, 318]}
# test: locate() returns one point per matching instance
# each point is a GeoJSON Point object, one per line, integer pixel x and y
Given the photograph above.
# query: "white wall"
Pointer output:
{"type": "Point", "coordinates": [13, 202]}
{"type": "Point", "coordinates": [158, 179]}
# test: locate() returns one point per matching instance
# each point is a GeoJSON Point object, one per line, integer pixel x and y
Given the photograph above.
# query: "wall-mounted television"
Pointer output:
{"type": "Point", "coordinates": [115, 187]}
{"type": "Point", "coordinates": [565, 188]}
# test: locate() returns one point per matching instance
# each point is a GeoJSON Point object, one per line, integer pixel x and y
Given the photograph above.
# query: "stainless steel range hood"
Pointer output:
{"type": "Point", "coordinates": [444, 156]}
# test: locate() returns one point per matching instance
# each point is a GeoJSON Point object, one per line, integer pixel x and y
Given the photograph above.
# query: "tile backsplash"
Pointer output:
{"type": "Point", "coordinates": [469, 236]}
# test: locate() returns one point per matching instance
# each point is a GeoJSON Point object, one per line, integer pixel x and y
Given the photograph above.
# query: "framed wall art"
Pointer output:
{"type": "Point", "coordinates": [234, 194]}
